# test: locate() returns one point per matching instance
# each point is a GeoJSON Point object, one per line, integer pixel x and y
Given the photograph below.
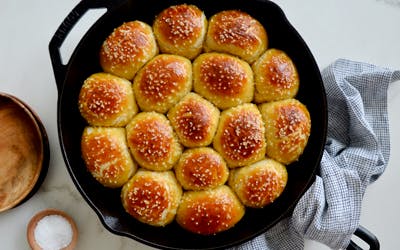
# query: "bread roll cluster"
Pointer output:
{"type": "Point", "coordinates": [193, 118]}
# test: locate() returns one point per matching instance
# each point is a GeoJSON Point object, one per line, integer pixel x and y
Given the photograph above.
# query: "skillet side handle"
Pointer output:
{"type": "Point", "coordinates": [63, 30]}
{"type": "Point", "coordinates": [367, 237]}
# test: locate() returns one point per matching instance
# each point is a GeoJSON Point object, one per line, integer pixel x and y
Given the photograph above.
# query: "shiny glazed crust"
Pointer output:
{"type": "Point", "coordinates": [152, 141]}
{"type": "Point", "coordinates": [107, 100]}
{"type": "Point", "coordinates": [224, 80]}
{"type": "Point", "coordinates": [194, 120]}
{"type": "Point", "coordinates": [260, 183]}
{"type": "Point", "coordinates": [287, 126]}
{"type": "Point", "coordinates": [127, 49]}
{"type": "Point", "coordinates": [209, 212]}
{"type": "Point", "coordinates": [275, 77]}
{"type": "Point", "coordinates": [152, 197]}
{"type": "Point", "coordinates": [181, 30]}
{"type": "Point", "coordinates": [240, 136]}
{"type": "Point", "coordinates": [204, 148]}
{"type": "Point", "coordinates": [107, 156]}
{"type": "Point", "coordinates": [237, 33]}
{"type": "Point", "coordinates": [201, 168]}
{"type": "Point", "coordinates": [162, 82]}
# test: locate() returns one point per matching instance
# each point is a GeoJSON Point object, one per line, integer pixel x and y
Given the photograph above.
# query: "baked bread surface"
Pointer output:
{"type": "Point", "coordinates": [152, 141]}
{"type": "Point", "coordinates": [180, 30]}
{"type": "Point", "coordinates": [152, 197]}
{"type": "Point", "coordinates": [107, 100]}
{"type": "Point", "coordinates": [106, 155]}
{"type": "Point", "coordinates": [162, 82]}
{"type": "Point", "coordinates": [127, 49]}
{"type": "Point", "coordinates": [259, 184]}
{"type": "Point", "coordinates": [224, 80]}
{"type": "Point", "coordinates": [275, 77]}
{"type": "Point", "coordinates": [200, 169]}
{"type": "Point", "coordinates": [288, 127]}
{"type": "Point", "coordinates": [210, 211]}
{"type": "Point", "coordinates": [194, 120]}
{"type": "Point", "coordinates": [188, 118]}
{"type": "Point", "coordinates": [240, 137]}
{"type": "Point", "coordinates": [236, 32]}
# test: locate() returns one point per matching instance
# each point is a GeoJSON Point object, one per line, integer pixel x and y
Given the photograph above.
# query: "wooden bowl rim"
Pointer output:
{"type": "Point", "coordinates": [36, 128]}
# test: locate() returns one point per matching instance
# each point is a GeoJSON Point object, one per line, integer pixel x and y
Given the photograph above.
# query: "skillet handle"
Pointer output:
{"type": "Point", "coordinates": [63, 30]}
{"type": "Point", "coordinates": [367, 237]}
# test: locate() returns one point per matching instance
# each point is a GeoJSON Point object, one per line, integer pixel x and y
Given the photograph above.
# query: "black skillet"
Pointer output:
{"type": "Point", "coordinates": [84, 61]}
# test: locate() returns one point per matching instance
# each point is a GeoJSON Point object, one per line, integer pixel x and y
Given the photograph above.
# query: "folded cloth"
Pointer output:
{"type": "Point", "coordinates": [355, 155]}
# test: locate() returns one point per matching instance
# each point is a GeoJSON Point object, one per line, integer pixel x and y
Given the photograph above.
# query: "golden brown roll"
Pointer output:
{"type": "Point", "coordinates": [194, 120]}
{"type": "Point", "coordinates": [275, 77]}
{"type": "Point", "coordinates": [201, 168]}
{"type": "Point", "coordinates": [240, 137]}
{"type": "Point", "coordinates": [287, 126]}
{"type": "Point", "coordinates": [181, 30]}
{"type": "Point", "coordinates": [106, 155]}
{"type": "Point", "coordinates": [152, 197]}
{"type": "Point", "coordinates": [127, 49]}
{"type": "Point", "coordinates": [209, 211]}
{"type": "Point", "coordinates": [260, 183]}
{"type": "Point", "coordinates": [107, 100]}
{"type": "Point", "coordinates": [237, 33]}
{"type": "Point", "coordinates": [162, 82]}
{"type": "Point", "coordinates": [152, 141]}
{"type": "Point", "coordinates": [224, 80]}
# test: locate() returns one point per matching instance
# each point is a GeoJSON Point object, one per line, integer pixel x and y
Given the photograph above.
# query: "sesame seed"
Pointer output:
{"type": "Point", "coordinates": [102, 99]}
{"type": "Point", "coordinates": [243, 135]}
{"type": "Point", "coordinates": [151, 140]}
{"type": "Point", "coordinates": [292, 127]}
{"type": "Point", "coordinates": [181, 24]}
{"type": "Point", "coordinates": [127, 43]}
{"type": "Point", "coordinates": [237, 28]}
{"type": "Point", "coordinates": [223, 75]}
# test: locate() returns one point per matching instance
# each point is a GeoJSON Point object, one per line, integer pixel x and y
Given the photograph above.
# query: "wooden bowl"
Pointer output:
{"type": "Point", "coordinates": [36, 218]}
{"type": "Point", "coordinates": [24, 152]}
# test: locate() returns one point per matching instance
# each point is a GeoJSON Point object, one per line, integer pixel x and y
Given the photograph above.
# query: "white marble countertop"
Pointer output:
{"type": "Point", "coordinates": [362, 30]}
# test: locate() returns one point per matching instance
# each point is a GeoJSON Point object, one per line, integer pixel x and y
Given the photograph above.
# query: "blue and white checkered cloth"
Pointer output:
{"type": "Point", "coordinates": [355, 155]}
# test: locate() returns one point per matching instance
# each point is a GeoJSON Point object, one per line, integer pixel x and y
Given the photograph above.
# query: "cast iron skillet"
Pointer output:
{"type": "Point", "coordinates": [106, 202]}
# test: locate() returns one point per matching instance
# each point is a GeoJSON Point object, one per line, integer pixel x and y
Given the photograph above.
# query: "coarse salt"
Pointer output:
{"type": "Point", "coordinates": [53, 232]}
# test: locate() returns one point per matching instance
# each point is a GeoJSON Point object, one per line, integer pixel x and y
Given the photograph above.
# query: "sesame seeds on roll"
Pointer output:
{"type": "Point", "coordinates": [259, 184]}
{"type": "Point", "coordinates": [209, 211]}
{"type": "Point", "coordinates": [224, 80]}
{"type": "Point", "coordinates": [287, 126]}
{"type": "Point", "coordinates": [194, 120]}
{"type": "Point", "coordinates": [180, 30]}
{"type": "Point", "coordinates": [127, 49]}
{"type": "Point", "coordinates": [201, 168]}
{"type": "Point", "coordinates": [240, 136]}
{"type": "Point", "coordinates": [152, 197]}
{"type": "Point", "coordinates": [236, 32]}
{"type": "Point", "coordinates": [152, 141]}
{"type": "Point", "coordinates": [275, 77]}
{"type": "Point", "coordinates": [107, 100]}
{"type": "Point", "coordinates": [107, 156]}
{"type": "Point", "coordinates": [162, 82]}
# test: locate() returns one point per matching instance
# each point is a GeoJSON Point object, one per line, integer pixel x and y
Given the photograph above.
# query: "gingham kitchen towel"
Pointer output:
{"type": "Point", "coordinates": [355, 155]}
